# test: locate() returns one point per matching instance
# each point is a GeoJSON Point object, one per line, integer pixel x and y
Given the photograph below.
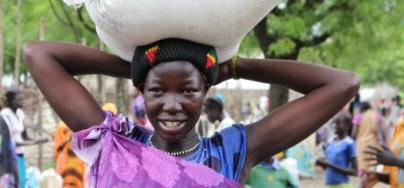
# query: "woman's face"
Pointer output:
{"type": "Point", "coordinates": [174, 93]}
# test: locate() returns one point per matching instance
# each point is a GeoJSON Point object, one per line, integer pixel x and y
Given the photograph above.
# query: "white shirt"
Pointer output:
{"type": "Point", "coordinates": [15, 123]}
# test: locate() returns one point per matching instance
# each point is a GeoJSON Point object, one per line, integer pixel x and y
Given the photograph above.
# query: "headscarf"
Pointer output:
{"type": "Point", "coordinates": [203, 57]}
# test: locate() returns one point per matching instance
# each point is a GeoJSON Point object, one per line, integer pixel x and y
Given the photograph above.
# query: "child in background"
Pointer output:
{"type": "Point", "coordinates": [340, 160]}
{"type": "Point", "coordinates": [270, 174]}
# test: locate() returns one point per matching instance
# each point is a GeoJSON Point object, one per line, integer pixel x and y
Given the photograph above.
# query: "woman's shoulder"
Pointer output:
{"type": "Point", "coordinates": [228, 147]}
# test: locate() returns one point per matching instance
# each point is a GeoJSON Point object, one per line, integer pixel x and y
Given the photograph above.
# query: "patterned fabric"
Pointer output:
{"type": "Point", "coordinates": [68, 165]}
{"type": "Point", "coordinates": [397, 147]}
{"type": "Point", "coordinates": [8, 158]}
{"type": "Point", "coordinates": [118, 156]}
{"type": "Point", "coordinates": [202, 56]}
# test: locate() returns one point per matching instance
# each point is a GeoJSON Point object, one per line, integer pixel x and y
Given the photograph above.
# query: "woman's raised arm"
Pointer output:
{"type": "Point", "coordinates": [326, 91]}
{"type": "Point", "coordinates": [52, 66]}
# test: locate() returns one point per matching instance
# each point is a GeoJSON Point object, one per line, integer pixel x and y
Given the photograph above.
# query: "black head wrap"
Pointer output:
{"type": "Point", "coordinates": [203, 57]}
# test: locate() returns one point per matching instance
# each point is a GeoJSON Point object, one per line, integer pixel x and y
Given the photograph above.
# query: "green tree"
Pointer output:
{"type": "Point", "coordinates": [1, 46]}
{"type": "Point", "coordinates": [372, 47]}
{"type": "Point", "coordinates": [338, 33]}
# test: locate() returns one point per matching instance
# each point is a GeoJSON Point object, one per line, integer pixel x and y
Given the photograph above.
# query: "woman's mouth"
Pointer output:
{"type": "Point", "coordinates": [171, 126]}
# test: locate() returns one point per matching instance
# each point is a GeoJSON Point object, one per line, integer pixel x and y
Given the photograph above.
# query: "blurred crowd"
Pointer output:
{"type": "Point", "coordinates": [365, 140]}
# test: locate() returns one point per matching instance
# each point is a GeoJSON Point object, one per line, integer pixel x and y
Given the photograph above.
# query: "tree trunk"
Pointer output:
{"type": "Point", "coordinates": [119, 100]}
{"type": "Point", "coordinates": [39, 134]}
{"type": "Point", "coordinates": [18, 44]}
{"type": "Point", "coordinates": [41, 28]}
{"type": "Point", "coordinates": [1, 47]}
{"type": "Point", "coordinates": [100, 81]}
{"type": "Point", "coordinates": [40, 99]}
{"type": "Point", "coordinates": [278, 95]}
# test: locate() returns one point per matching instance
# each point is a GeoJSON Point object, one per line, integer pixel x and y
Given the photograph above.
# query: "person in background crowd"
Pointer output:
{"type": "Point", "coordinates": [14, 118]}
{"type": "Point", "coordinates": [290, 164]}
{"type": "Point", "coordinates": [68, 165]}
{"type": "Point", "coordinates": [139, 112]}
{"type": "Point", "coordinates": [340, 155]}
{"type": "Point", "coordinates": [109, 106]}
{"type": "Point", "coordinates": [367, 131]}
{"type": "Point", "coordinates": [326, 132]}
{"type": "Point", "coordinates": [8, 158]}
{"type": "Point", "coordinates": [218, 119]}
{"type": "Point", "coordinates": [393, 116]}
{"type": "Point", "coordinates": [354, 106]}
{"type": "Point", "coordinates": [303, 153]}
{"type": "Point", "coordinates": [392, 158]}
{"type": "Point", "coordinates": [269, 174]}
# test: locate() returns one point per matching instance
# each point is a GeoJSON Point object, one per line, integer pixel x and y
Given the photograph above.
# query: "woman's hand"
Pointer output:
{"type": "Point", "coordinates": [382, 156]}
{"type": "Point", "coordinates": [224, 72]}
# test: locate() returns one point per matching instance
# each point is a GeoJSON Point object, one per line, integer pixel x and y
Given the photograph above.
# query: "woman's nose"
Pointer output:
{"type": "Point", "coordinates": [171, 103]}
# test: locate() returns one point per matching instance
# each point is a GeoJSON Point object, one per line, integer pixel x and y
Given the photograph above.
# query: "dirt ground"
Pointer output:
{"type": "Point", "coordinates": [319, 182]}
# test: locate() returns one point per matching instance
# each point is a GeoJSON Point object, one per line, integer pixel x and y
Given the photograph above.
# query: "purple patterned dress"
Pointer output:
{"type": "Point", "coordinates": [118, 157]}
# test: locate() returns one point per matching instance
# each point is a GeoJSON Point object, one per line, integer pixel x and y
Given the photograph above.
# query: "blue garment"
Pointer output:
{"type": "Point", "coordinates": [21, 169]}
{"type": "Point", "coordinates": [224, 152]}
{"type": "Point", "coordinates": [339, 153]}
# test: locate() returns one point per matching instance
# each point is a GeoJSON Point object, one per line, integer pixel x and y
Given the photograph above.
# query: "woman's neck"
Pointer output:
{"type": "Point", "coordinates": [190, 141]}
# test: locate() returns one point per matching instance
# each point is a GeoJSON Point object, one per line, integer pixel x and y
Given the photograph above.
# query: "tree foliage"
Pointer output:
{"type": "Point", "coordinates": [65, 25]}
{"type": "Point", "coordinates": [361, 36]}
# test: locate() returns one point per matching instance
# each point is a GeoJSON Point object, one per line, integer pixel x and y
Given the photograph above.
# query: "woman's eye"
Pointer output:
{"type": "Point", "coordinates": [156, 91]}
{"type": "Point", "coordinates": [190, 91]}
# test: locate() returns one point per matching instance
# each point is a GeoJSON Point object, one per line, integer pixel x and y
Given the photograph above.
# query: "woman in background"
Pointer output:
{"type": "Point", "coordinates": [8, 158]}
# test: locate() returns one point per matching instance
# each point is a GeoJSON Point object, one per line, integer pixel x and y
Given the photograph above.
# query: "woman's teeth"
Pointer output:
{"type": "Point", "coordinates": [172, 124]}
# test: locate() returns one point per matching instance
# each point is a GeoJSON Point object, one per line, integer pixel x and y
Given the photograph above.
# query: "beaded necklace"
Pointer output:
{"type": "Point", "coordinates": [177, 153]}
